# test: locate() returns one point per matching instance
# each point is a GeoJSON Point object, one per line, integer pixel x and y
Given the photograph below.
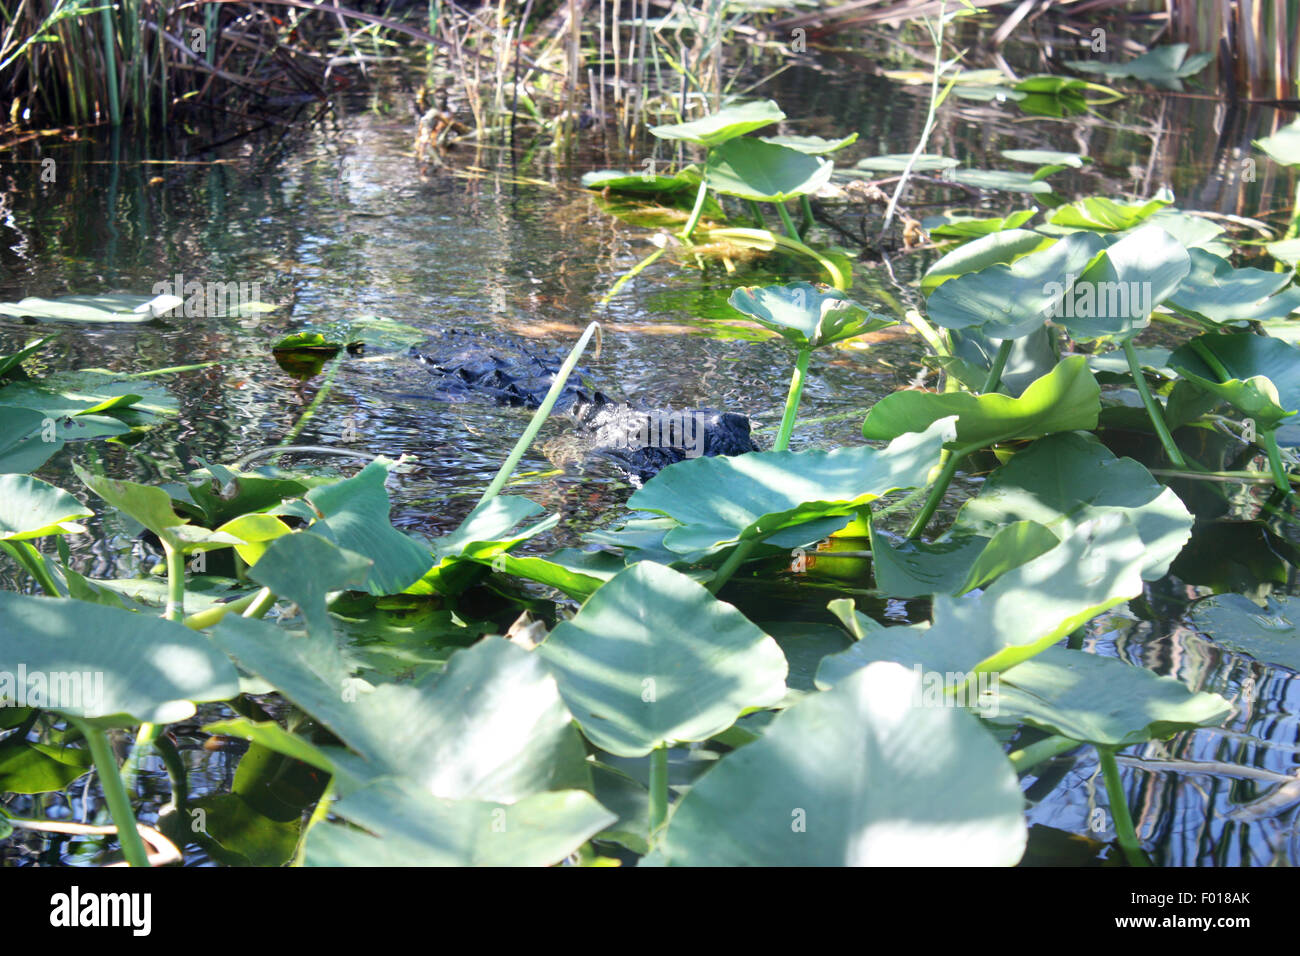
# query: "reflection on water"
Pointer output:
{"type": "Point", "coordinates": [343, 237]}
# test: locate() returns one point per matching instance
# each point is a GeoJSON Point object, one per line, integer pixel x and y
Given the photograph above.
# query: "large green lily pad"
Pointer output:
{"type": "Point", "coordinates": [764, 172]}
{"type": "Point", "coordinates": [1065, 399]}
{"type": "Point", "coordinates": [105, 663]}
{"type": "Point", "coordinates": [726, 124]}
{"type": "Point", "coordinates": [857, 776]}
{"type": "Point", "coordinates": [719, 502]}
{"type": "Point", "coordinates": [1063, 480]}
{"type": "Point", "coordinates": [654, 658]}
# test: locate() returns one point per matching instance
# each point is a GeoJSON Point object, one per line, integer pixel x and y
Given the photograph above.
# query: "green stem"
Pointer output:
{"type": "Point", "coordinates": [928, 332]}
{"type": "Point", "coordinates": [633, 272]}
{"type": "Point", "coordinates": [319, 813]}
{"type": "Point", "coordinates": [734, 560]}
{"type": "Point", "coordinates": [1282, 480]}
{"type": "Point", "coordinates": [792, 400]}
{"type": "Point", "coordinates": [176, 771]}
{"type": "Point", "coordinates": [756, 211]}
{"type": "Point", "coordinates": [1125, 834]}
{"type": "Point", "coordinates": [110, 63]}
{"type": "Point", "coordinates": [806, 206]}
{"type": "Point", "coordinates": [786, 221]}
{"type": "Point", "coordinates": [540, 416]}
{"type": "Point", "coordinates": [261, 604]}
{"type": "Point", "coordinates": [1028, 758]}
{"type": "Point", "coordinates": [33, 563]}
{"type": "Point", "coordinates": [994, 381]}
{"type": "Point", "coordinates": [213, 615]}
{"type": "Point", "coordinates": [144, 739]}
{"type": "Point", "coordinates": [110, 781]}
{"type": "Point", "coordinates": [175, 578]}
{"type": "Point", "coordinates": [695, 212]}
{"type": "Point", "coordinates": [937, 490]}
{"type": "Point", "coordinates": [658, 788]}
{"type": "Point", "coordinates": [1153, 407]}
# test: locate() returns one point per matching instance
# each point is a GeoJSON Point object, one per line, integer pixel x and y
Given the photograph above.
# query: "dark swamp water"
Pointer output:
{"type": "Point", "coordinates": [343, 236]}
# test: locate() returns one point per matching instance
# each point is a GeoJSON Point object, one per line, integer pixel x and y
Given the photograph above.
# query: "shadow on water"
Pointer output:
{"type": "Point", "coordinates": [343, 236]}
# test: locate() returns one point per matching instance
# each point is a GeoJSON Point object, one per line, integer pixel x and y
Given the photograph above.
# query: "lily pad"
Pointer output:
{"type": "Point", "coordinates": [726, 124]}
{"type": "Point", "coordinates": [653, 658]}
{"type": "Point", "coordinates": [897, 162]}
{"type": "Point", "coordinates": [404, 826]}
{"type": "Point", "coordinates": [1263, 373]}
{"type": "Point", "coordinates": [1216, 292]}
{"type": "Point", "coordinates": [1123, 286]}
{"type": "Point", "coordinates": [1014, 618]}
{"type": "Point", "coordinates": [974, 227]}
{"type": "Point", "coordinates": [812, 145]}
{"type": "Point", "coordinates": [805, 315]}
{"type": "Point", "coordinates": [753, 169]}
{"type": "Point", "coordinates": [1265, 633]}
{"type": "Point", "coordinates": [857, 776]}
{"type": "Point", "coordinates": [111, 665]}
{"type": "Point", "coordinates": [1064, 480]}
{"type": "Point", "coordinates": [114, 308]}
{"type": "Point", "coordinates": [1101, 700]}
{"type": "Point", "coordinates": [1065, 399]}
{"type": "Point", "coordinates": [1162, 66]}
{"type": "Point", "coordinates": [719, 502]}
{"type": "Point", "coordinates": [1008, 301]}
{"type": "Point", "coordinates": [1099, 214]}
{"type": "Point", "coordinates": [31, 508]}
{"type": "Point", "coordinates": [1001, 247]}
{"type": "Point", "coordinates": [1284, 145]}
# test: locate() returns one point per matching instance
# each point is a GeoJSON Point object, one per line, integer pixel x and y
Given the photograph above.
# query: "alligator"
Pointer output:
{"type": "Point", "coordinates": [640, 441]}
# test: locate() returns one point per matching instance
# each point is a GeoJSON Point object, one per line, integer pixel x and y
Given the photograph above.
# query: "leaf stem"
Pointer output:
{"type": "Point", "coordinates": [695, 211]}
{"type": "Point", "coordinates": [937, 490]}
{"type": "Point", "coordinates": [994, 381]}
{"type": "Point", "coordinates": [110, 781]}
{"type": "Point", "coordinates": [1125, 834]}
{"type": "Point", "coordinates": [1153, 407]}
{"type": "Point", "coordinates": [539, 416]}
{"type": "Point", "coordinates": [792, 400]}
{"type": "Point", "coordinates": [175, 578]}
{"type": "Point", "coordinates": [658, 788]}
{"type": "Point", "coordinates": [786, 221]}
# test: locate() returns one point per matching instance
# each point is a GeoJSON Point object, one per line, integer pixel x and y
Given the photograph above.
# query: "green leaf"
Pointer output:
{"type": "Point", "coordinates": [1045, 157]}
{"type": "Point", "coordinates": [354, 515]}
{"type": "Point", "coordinates": [27, 767]}
{"type": "Point", "coordinates": [1119, 291]}
{"type": "Point", "coordinates": [305, 568]}
{"type": "Point", "coordinates": [404, 826]}
{"type": "Point", "coordinates": [14, 360]}
{"type": "Point", "coordinates": [806, 315]}
{"type": "Point", "coordinates": [897, 162]}
{"type": "Point", "coordinates": [1064, 480]}
{"type": "Point", "coordinates": [1002, 247]}
{"type": "Point", "coordinates": [1284, 145]}
{"type": "Point", "coordinates": [1236, 622]}
{"type": "Point", "coordinates": [1099, 214]}
{"type": "Point", "coordinates": [31, 508]}
{"type": "Point", "coordinates": [1014, 618]}
{"type": "Point", "coordinates": [491, 727]}
{"type": "Point", "coordinates": [726, 124]}
{"type": "Point", "coordinates": [92, 308]}
{"type": "Point", "coordinates": [812, 145]}
{"type": "Point", "coordinates": [1065, 399]}
{"type": "Point", "coordinates": [1263, 379]}
{"type": "Point", "coordinates": [720, 501]}
{"type": "Point", "coordinates": [150, 506]}
{"type": "Point", "coordinates": [973, 227]}
{"type": "Point", "coordinates": [29, 437]}
{"type": "Point", "coordinates": [101, 662]}
{"type": "Point", "coordinates": [753, 169]}
{"type": "Point", "coordinates": [1162, 66]}
{"type": "Point", "coordinates": [637, 184]}
{"type": "Point", "coordinates": [271, 735]}
{"type": "Point", "coordinates": [1008, 301]}
{"type": "Point", "coordinates": [1101, 700]}
{"type": "Point", "coordinates": [1216, 292]}
{"type": "Point", "coordinates": [959, 563]}
{"type": "Point", "coordinates": [1000, 179]}
{"type": "Point", "coordinates": [653, 658]}
{"type": "Point", "coordinates": [858, 776]}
